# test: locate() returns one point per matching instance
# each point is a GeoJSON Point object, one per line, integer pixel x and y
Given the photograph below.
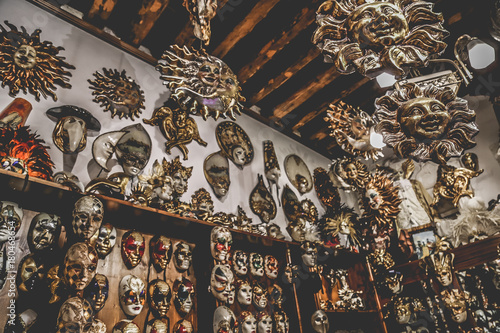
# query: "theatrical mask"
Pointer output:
{"type": "Point", "coordinates": [80, 264]}
{"type": "Point", "coordinates": [429, 123]}
{"type": "Point", "coordinates": [31, 65]}
{"type": "Point", "coordinates": [75, 313]}
{"type": "Point", "coordinates": [73, 124]}
{"type": "Point", "coordinates": [456, 303]}
{"type": "Point", "coordinates": [11, 216]}
{"type": "Point", "coordinates": [68, 179]}
{"type": "Point", "coordinates": [224, 320]}
{"type": "Point", "coordinates": [327, 193]}
{"type": "Point", "coordinates": [453, 184]}
{"type": "Point", "coordinates": [202, 204]}
{"type": "Point", "coordinates": [256, 264]}
{"type": "Point", "coordinates": [132, 295]}
{"type": "Point", "coordinates": [183, 295]}
{"type": "Point", "coordinates": [351, 172]}
{"type": "Point", "coordinates": [319, 322]}
{"type": "Point", "coordinates": [97, 292]}
{"type": "Point", "coordinates": [157, 326]}
{"type": "Point", "coordinates": [372, 37]}
{"type": "Point", "coordinates": [309, 253]}
{"type": "Point", "coordinates": [132, 248]}
{"type": "Point", "coordinates": [105, 240]}
{"type": "Point", "coordinates": [290, 273]}
{"type": "Point", "coordinates": [244, 292]}
{"type": "Point", "coordinates": [179, 175]}
{"type": "Point", "coordinates": [200, 14]}
{"type": "Point", "coordinates": [43, 233]}
{"type": "Point", "coordinates": [183, 256]}
{"type": "Point", "coordinates": [259, 293]}
{"type": "Point", "coordinates": [380, 260]}
{"type": "Point", "coordinates": [262, 203]}
{"type": "Point", "coordinates": [126, 326]}
{"type": "Point", "coordinates": [30, 273]}
{"type": "Point", "coordinates": [182, 326]}
{"type": "Point", "coordinates": [264, 322]}
{"type": "Point", "coordinates": [159, 296]}
{"type": "Point", "coordinates": [96, 326]}
{"type": "Point", "coordinates": [87, 217]}
{"type": "Point", "coordinates": [160, 249]}
{"type": "Point", "coordinates": [240, 262]}
{"type": "Point", "coordinates": [247, 322]}
{"type": "Point", "coordinates": [298, 173]}
{"type": "Point", "coordinates": [221, 280]}
{"type": "Point", "coordinates": [441, 264]}
{"type": "Point", "coordinates": [216, 169]}
{"type": "Point", "coordinates": [234, 143]}
{"type": "Point", "coordinates": [220, 243]}
{"type": "Point", "coordinates": [276, 295]}
{"type": "Point", "coordinates": [231, 296]}
{"type": "Point", "coordinates": [271, 267]}
{"type": "Point", "coordinates": [200, 83]}
{"type": "Point", "coordinates": [117, 93]}
{"type": "Point", "coordinates": [338, 228]}
{"type": "Point", "coordinates": [281, 322]}
{"type": "Point", "coordinates": [392, 282]}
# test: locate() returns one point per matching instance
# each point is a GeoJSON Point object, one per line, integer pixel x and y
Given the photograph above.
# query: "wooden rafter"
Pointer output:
{"type": "Point", "coordinates": [150, 11]}
{"type": "Point", "coordinates": [257, 14]}
{"type": "Point", "coordinates": [102, 8]}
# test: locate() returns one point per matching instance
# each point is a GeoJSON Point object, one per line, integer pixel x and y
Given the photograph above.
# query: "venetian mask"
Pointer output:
{"type": "Point", "coordinates": [160, 249]}
{"type": "Point", "coordinates": [97, 292]}
{"type": "Point", "coordinates": [106, 239]}
{"type": "Point", "coordinates": [393, 282]}
{"type": "Point", "coordinates": [80, 264]}
{"type": "Point", "coordinates": [70, 133]}
{"type": "Point", "coordinates": [182, 256]}
{"type": "Point", "coordinates": [442, 265]}
{"type": "Point", "coordinates": [96, 326]}
{"type": "Point", "coordinates": [232, 293]}
{"type": "Point", "coordinates": [262, 202]}
{"type": "Point", "coordinates": [319, 322]}
{"type": "Point", "coordinates": [402, 310]}
{"type": "Point", "coordinates": [132, 249]}
{"type": "Point", "coordinates": [159, 295]}
{"type": "Point", "coordinates": [220, 243]}
{"type": "Point", "coordinates": [298, 173]}
{"type": "Point", "coordinates": [247, 322]}
{"type": "Point", "coordinates": [271, 165]}
{"type": "Point", "coordinates": [456, 303]}
{"type": "Point", "coordinates": [220, 282]}
{"type": "Point", "coordinates": [87, 217]}
{"type": "Point", "coordinates": [276, 295]}
{"type": "Point", "coordinates": [259, 298]}
{"type": "Point", "coordinates": [274, 231]}
{"type": "Point", "coordinates": [271, 266]}
{"type": "Point", "coordinates": [309, 253]}
{"type": "Point", "coordinates": [44, 232]}
{"type": "Point", "coordinates": [264, 322]}
{"type": "Point", "coordinates": [157, 326]}
{"type": "Point", "coordinates": [30, 273]}
{"type": "Point", "coordinates": [132, 295]}
{"type": "Point", "coordinates": [244, 292]}
{"type": "Point", "coordinates": [11, 216]}
{"type": "Point", "coordinates": [240, 262]}
{"type": "Point", "coordinates": [374, 199]}
{"type": "Point", "coordinates": [224, 320]}
{"type": "Point", "coordinates": [281, 322]}
{"type": "Point", "coordinates": [256, 264]}
{"type": "Point", "coordinates": [178, 174]}
{"type": "Point", "coordinates": [235, 144]}
{"type": "Point", "coordinates": [216, 168]}
{"type": "Point", "coordinates": [68, 179]}
{"type": "Point", "coordinates": [183, 326]}
{"type": "Point", "coordinates": [126, 326]}
{"type": "Point", "coordinates": [75, 313]}
{"type": "Point", "coordinates": [133, 149]}
{"type": "Point", "coordinates": [183, 295]}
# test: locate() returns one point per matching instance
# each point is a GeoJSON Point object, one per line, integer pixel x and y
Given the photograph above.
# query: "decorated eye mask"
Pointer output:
{"type": "Point", "coordinates": [159, 294]}
{"type": "Point", "coordinates": [256, 264]}
{"type": "Point", "coordinates": [80, 265]}
{"type": "Point", "coordinates": [319, 322]}
{"type": "Point", "coordinates": [133, 246]}
{"type": "Point", "coordinates": [220, 282]}
{"type": "Point", "coordinates": [87, 217]}
{"type": "Point", "coordinates": [240, 263]}
{"type": "Point", "coordinates": [182, 256]}
{"type": "Point", "coordinates": [271, 267]}
{"type": "Point", "coordinates": [44, 232]}
{"type": "Point", "coordinates": [184, 296]}
{"type": "Point", "coordinates": [132, 295]}
{"type": "Point", "coordinates": [97, 292]}
{"type": "Point", "coordinates": [105, 240]}
{"type": "Point", "coordinates": [220, 243]}
{"type": "Point", "coordinates": [160, 248]}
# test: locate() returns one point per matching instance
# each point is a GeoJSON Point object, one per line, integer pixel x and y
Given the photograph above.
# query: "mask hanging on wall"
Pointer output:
{"type": "Point", "coordinates": [179, 175]}
{"type": "Point", "coordinates": [25, 56]}
{"type": "Point", "coordinates": [30, 274]}
{"type": "Point", "coordinates": [298, 173]}
{"type": "Point", "coordinates": [271, 166]}
{"type": "Point", "coordinates": [264, 322]}
{"type": "Point", "coordinates": [309, 254]}
{"type": "Point", "coordinates": [159, 296]}
{"type": "Point", "coordinates": [271, 267]}
{"type": "Point", "coordinates": [234, 143]}
{"type": "Point", "coordinates": [183, 296]}
{"type": "Point", "coordinates": [327, 194]}
{"type": "Point", "coordinates": [97, 292]}
{"type": "Point", "coordinates": [259, 296]}
{"type": "Point", "coordinates": [177, 127]}
{"type": "Point", "coordinates": [117, 93]}
{"type": "Point", "coordinates": [216, 169]}
{"type": "Point", "coordinates": [351, 172]}
{"type": "Point", "coordinates": [247, 322]}
{"type": "Point", "coordinates": [75, 312]}
{"type": "Point", "coordinates": [240, 263]}
{"type": "Point", "coordinates": [221, 241]}
{"type": "Point", "coordinates": [319, 322]}
{"type": "Point", "coordinates": [160, 250]}
{"type": "Point", "coordinates": [256, 264]}
{"type": "Point", "coordinates": [132, 248]}
{"type": "Point", "coordinates": [202, 204]}
{"type": "Point", "coordinates": [301, 223]}
{"type": "Point", "coordinates": [11, 215]}
{"type": "Point", "coordinates": [456, 303]}
{"type": "Point", "coordinates": [183, 326]}
{"type": "Point", "coordinates": [68, 179]}
{"type": "Point", "coordinates": [132, 295]}
{"type": "Point", "coordinates": [441, 264]}
{"type": "Point", "coordinates": [157, 326]}
{"type": "Point", "coordinates": [224, 320]}
{"type": "Point", "coordinates": [126, 326]}
{"type": "Point", "coordinates": [452, 184]}
{"type": "Point", "coordinates": [220, 282]}
{"type": "Point", "coordinates": [104, 240]}
{"type": "Point", "coordinates": [281, 322]}
{"type": "Point", "coordinates": [200, 14]}
{"type": "Point", "coordinates": [87, 217]}
{"type": "Point", "coordinates": [80, 264]}
{"type": "Point", "coordinates": [262, 202]}
{"type": "Point", "coordinates": [339, 229]}
{"type": "Point", "coordinates": [243, 292]}
{"type": "Point", "coordinates": [15, 114]}
{"type": "Point", "coordinates": [276, 296]}
{"type": "Point", "coordinates": [183, 256]}
{"type": "Point", "coordinates": [200, 83]}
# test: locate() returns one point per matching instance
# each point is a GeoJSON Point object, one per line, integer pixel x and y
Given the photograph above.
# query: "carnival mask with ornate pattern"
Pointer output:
{"type": "Point", "coordinates": [87, 217]}
{"type": "Point", "coordinates": [126, 326]}
{"type": "Point", "coordinates": [132, 249]}
{"type": "Point", "coordinates": [271, 267]}
{"type": "Point", "coordinates": [160, 249]}
{"type": "Point", "coordinates": [97, 292]}
{"type": "Point", "coordinates": [80, 264]}
{"type": "Point", "coordinates": [11, 217]}
{"type": "Point", "coordinates": [74, 315]}
{"type": "Point", "coordinates": [105, 240]}
{"type": "Point", "coordinates": [183, 256]}
{"type": "Point", "coordinates": [221, 241]}
{"type": "Point", "coordinates": [132, 295]}
{"type": "Point", "coordinates": [281, 322]}
{"type": "Point", "coordinates": [259, 298]}
{"type": "Point", "coordinates": [319, 322]}
{"type": "Point", "coordinates": [220, 282]}
{"type": "Point", "coordinates": [159, 296]}
{"type": "Point", "coordinates": [183, 295]}
{"type": "Point", "coordinates": [224, 320]}
{"type": "Point", "coordinates": [30, 273]}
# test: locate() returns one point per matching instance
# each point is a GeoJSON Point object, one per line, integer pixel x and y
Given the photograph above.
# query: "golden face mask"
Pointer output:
{"type": "Point", "coordinates": [159, 295]}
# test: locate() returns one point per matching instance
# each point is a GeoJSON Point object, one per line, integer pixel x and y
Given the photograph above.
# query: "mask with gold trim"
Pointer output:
{"type": "Point", "coordinates": [183, 256]}
{"type": "Point", "coordinates": [97, 292]}
{"type": "Point", "coordinates": [159, 296]}
{"type": "Point", "coordinates": [183, 295]}
{"type": "Point", "coordinates": [87, 217]}
{"type": "Point", "coordinates": [44, 233]}
{"type": "Point", "coordinates": [160, 249]}
{"type": "Point", "coordinates": [132, 295]}
{"type": "Point", "coordinates": [75, 313]}
{"type": "Point", "coordinates": [220, 282]}
{"type": "Point", "coordinates": [132, 249]}
{"type": "Point", "coordinates": [80, 264]}
{"type": "Point", "coordinates": [271, 267]}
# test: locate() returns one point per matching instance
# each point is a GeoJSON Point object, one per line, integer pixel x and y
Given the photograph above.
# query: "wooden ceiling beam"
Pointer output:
{"type": "Point", "coordinates": [276, 82]}
{"type": "Point", "coordinates": [149, 13]}
{"type": "Point", "coordinates": [321, 134]}
{"type": "Point", "coordinates": [257, 14]}
{"type": "Point", "coordinates": [306, 92]}
{"type": "Point", "coordinates": [300, 22]}
{"type": "Point", "coordinates": [102, 8]}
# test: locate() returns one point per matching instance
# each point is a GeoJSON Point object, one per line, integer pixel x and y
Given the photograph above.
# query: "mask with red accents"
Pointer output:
{"type": "Point", "coordinates": [133, 246]}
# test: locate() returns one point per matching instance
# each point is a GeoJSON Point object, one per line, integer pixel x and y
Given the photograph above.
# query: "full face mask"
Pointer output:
{"type": "Point", "coordinates": [157, 326]}
{"type": "Point", "coordinates": [80, 264]}
{"type": "Point", "coordinates": [184, 296]}
{"type": "Point", "coordinates": [271, 267]}
{"type": "Point", "coordinates": [220, 243]}
{"type": "Point", "coordinates": [44, 232]}
{"type": "Point", "coordinates": [11, 216]}
{"type": "Point", "coordinates": [256, 264]}
{"type": "Point", "coordinates": [159, 294]}
{"type": "Point", "coordinates": [309, 253]}
{"type": "Point", "coordinates": [97, 292]}
{"type": "Point", "coordinates": [247, 322]}
{"type": "Point", "coordinates": [240, 262]}
{"type": "Point", "coordinates": [132, 295]}
{"type": "Point", "coordinates": [30, 274]}
{"type": "Point", "coordinates": [182, 256]}
{"type": "Point", "coordinates": [126, 326]}
{"type": "Point", "coordinates": [244, 293]}
{"type": "Point", "coordinates": [220, 282]}
{"type": "Point", "coordinates": [319, 322]}
{"type": "Point", "coordinates": [75, 313]}
{"type": "Point", "coordinates": [264, 322]}
{"type": "Point", "coordinates": [87, 217]}
{"type": "Point", "coordinates": [133, 246]}
{"type": "Point", "coordinates": [183, 326]}
{"type": "Point", "coordinates": [160, 249]}
{"type": "Point", "coordinates": [276, 295]}
{"type": "Point", "coordinates": [224, 320]}
{"type": "Point", "coordinates": [259, 296]}
{"type": "Point", "coordinates": [281, 322]}
{"type": "Point", "coordinates": [105, 240]}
